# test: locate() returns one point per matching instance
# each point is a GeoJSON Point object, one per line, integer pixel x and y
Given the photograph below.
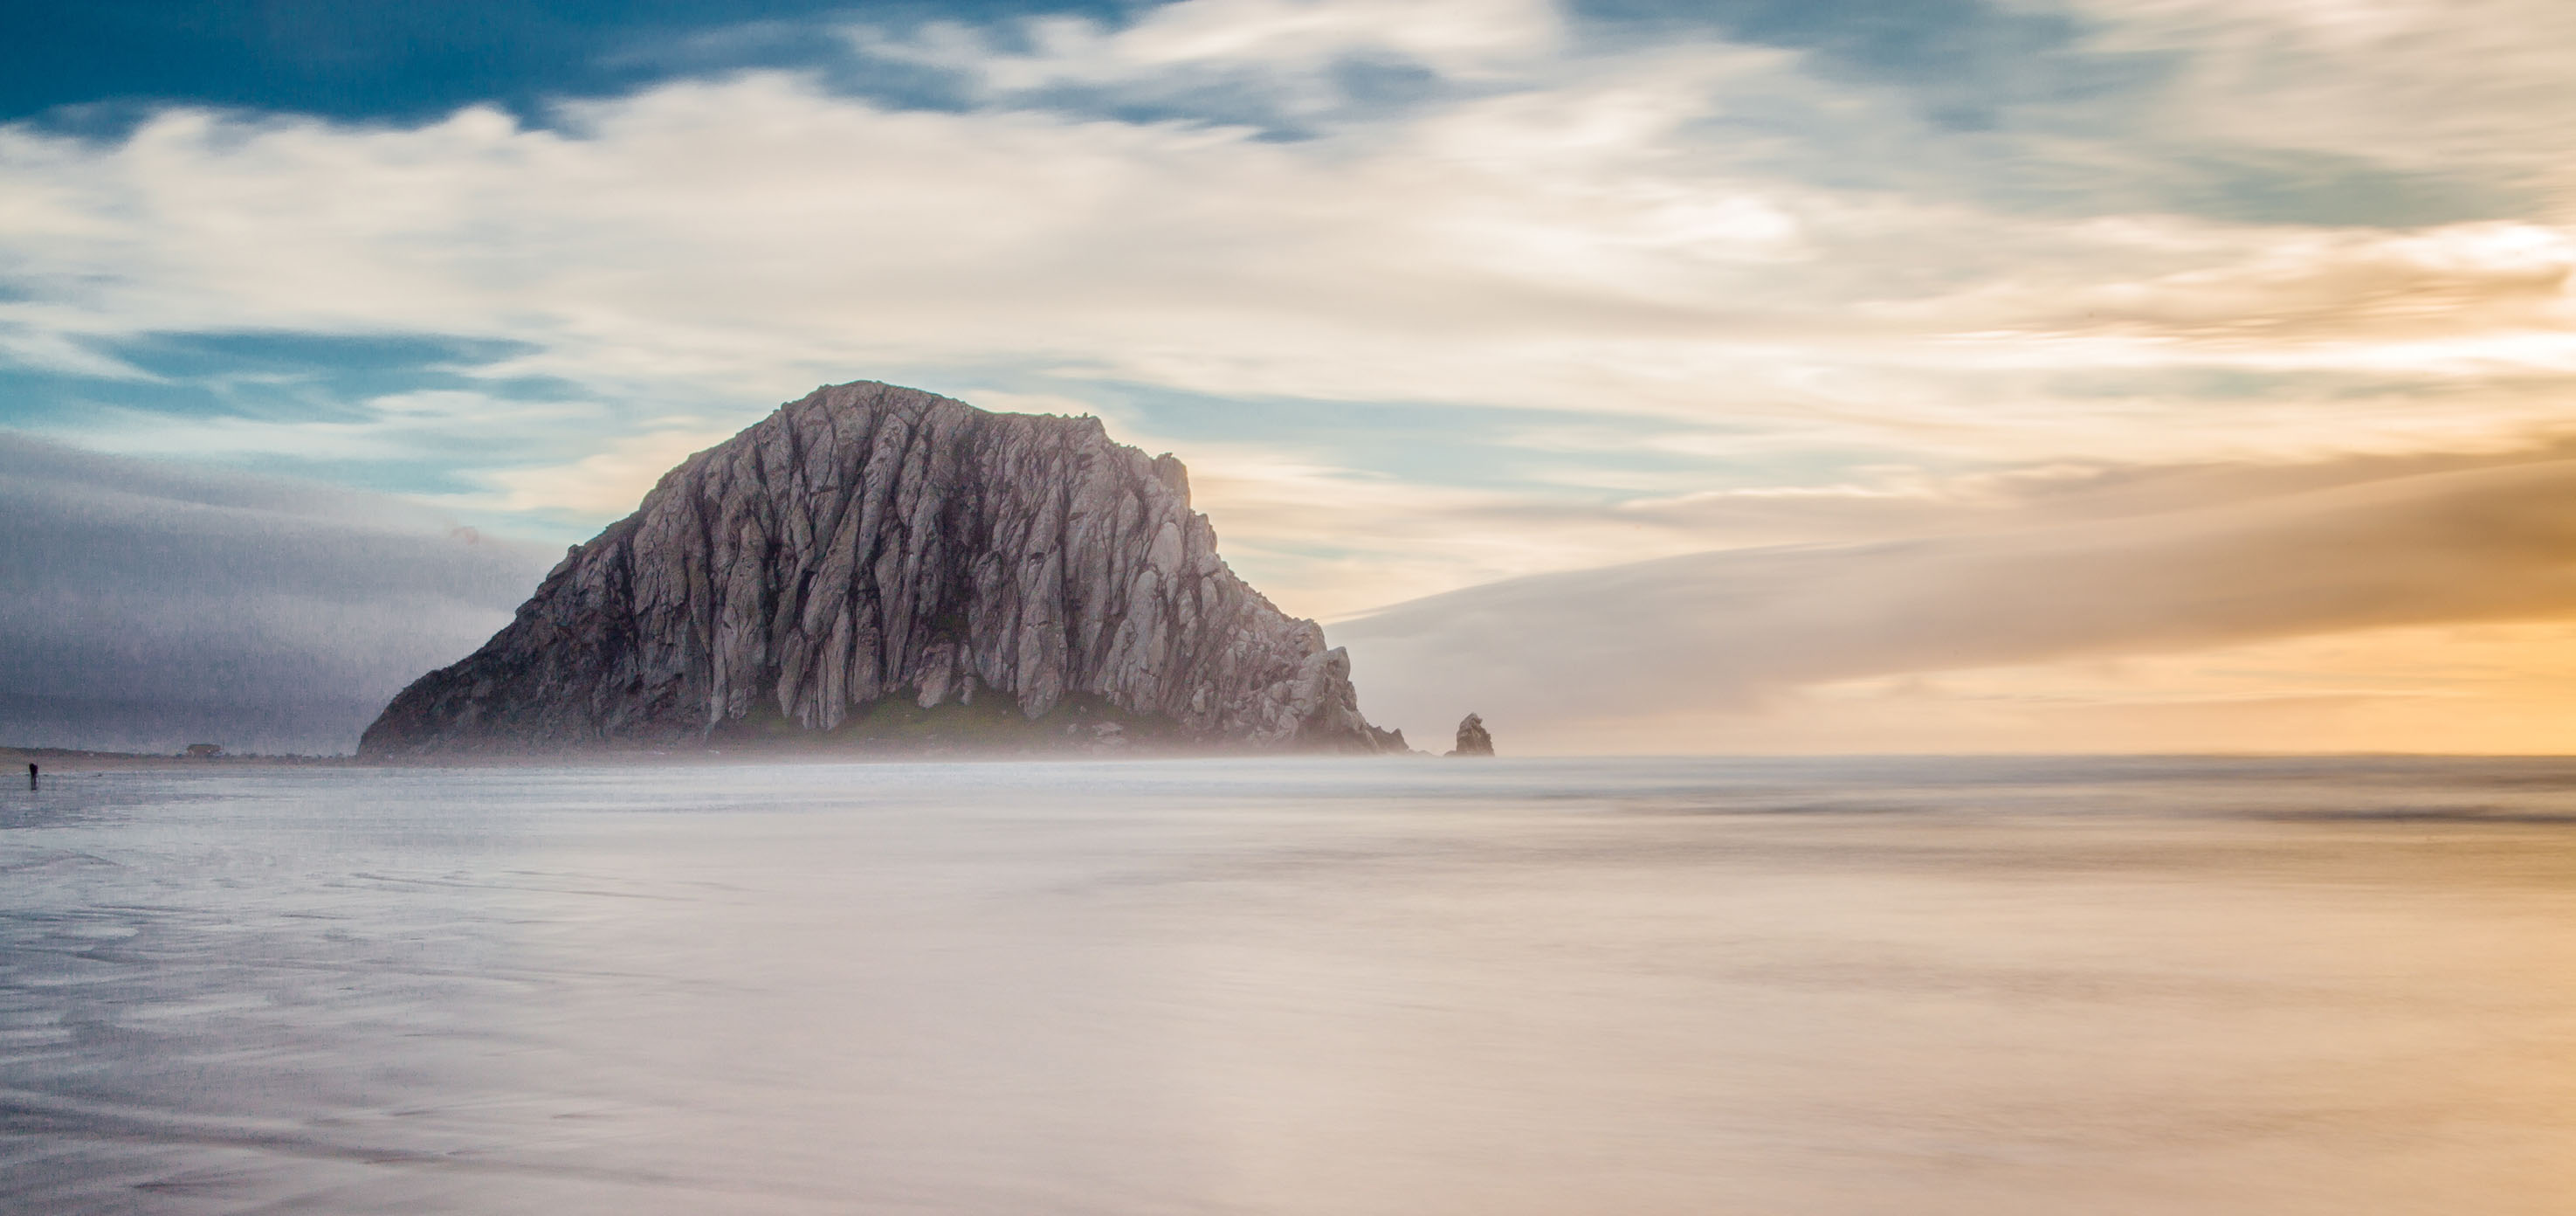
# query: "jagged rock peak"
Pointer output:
{"type": "Point", "coordinates": [1473, 740]}
{"type": "Point", "coordinates": [870, 554]}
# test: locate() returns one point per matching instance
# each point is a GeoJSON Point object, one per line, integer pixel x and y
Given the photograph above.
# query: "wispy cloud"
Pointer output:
{"type": "Point", "coordinates": [1429, 294]}
{"type": "Point", "coordinates": [1584, 229]}
{"type": "Point", "coordinates": [1728, 631]}
{"type": "Point", "coordinates": [1291, 56]}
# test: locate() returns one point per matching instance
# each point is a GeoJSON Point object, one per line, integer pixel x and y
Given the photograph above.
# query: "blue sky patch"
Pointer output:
{"type": "Point", "coordinates": [412, 61]}
{"type": "Point", "coordinates": [276, 376]}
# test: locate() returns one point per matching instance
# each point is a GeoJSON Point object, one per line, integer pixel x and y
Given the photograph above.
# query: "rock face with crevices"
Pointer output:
{"type": "Point", "coordinates": [873, 549]}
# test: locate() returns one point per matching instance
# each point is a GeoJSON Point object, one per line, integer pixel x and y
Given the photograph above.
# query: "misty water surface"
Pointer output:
{"type": "Point", "coordinates": [1328, 988]}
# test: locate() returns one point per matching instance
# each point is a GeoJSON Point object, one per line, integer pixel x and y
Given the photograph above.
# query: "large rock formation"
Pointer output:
{"type": "Point", "coordinates": [871, 562]}
{"type": "Point", "coordinates": [1473, 738]}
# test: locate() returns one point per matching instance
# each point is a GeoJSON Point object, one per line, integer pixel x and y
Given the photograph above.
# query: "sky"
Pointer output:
{"type": "Point", "coordinates": [1740, 375]}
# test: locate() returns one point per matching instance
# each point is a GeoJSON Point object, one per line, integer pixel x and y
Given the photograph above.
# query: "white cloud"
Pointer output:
{"type": "Point", "coordinates": [607, 483]}
{"type": "Point", "coordinates": [1277, 49]}
{"type": "Point", "coordinates": [1789, 325]}
{"type": "Point", "coordinates": [2432, 85]}
{"type": "Point", "coordinates": [1573, 241]}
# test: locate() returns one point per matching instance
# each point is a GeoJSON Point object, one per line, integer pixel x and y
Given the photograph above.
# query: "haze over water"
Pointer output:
{"type": "Point", "coordinates": [1831, 986]}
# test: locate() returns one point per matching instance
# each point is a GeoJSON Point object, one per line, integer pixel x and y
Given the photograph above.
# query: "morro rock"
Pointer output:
{"type": "Point", "coordinates": [876, 565]}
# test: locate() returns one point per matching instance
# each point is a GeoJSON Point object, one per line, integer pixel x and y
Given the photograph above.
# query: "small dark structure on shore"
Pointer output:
{"type": "Point", "coordinates": [1472, 738]}
{"type": "Point", "coordinates": [204, 751]}
{"type": "Point", "coordinates": [31, 774]}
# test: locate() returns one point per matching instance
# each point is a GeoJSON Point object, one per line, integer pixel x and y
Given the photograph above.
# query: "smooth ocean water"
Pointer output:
{"type": "Point", "coordinates": [1911, 987]}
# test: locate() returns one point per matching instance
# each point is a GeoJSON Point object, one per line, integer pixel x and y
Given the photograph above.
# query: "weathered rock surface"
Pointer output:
{"type": "Point", "coordinates": [1473, 739]}
{"type": "Point", "coordinates": [873, 550]}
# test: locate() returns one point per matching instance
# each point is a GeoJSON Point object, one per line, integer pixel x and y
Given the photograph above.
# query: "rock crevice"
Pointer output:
{"type": "Point", "coordinates": [872, 542]}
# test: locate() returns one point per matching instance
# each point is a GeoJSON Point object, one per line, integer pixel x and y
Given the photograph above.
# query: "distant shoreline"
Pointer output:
{"type": "Point", "coordinates": [73, 760]}
{"type": "Point", "coordinates": [68, 761]}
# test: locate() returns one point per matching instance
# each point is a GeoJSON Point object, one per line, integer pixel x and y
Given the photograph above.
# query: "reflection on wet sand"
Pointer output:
{"type": "Point", "coordinates": [1372, 987]}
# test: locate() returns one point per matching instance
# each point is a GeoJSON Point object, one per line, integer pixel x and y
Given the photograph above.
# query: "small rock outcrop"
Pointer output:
{"type": "Point", "coordinates": [1472, 738]}
{"type": "Point", "coordinates": [871, 561]}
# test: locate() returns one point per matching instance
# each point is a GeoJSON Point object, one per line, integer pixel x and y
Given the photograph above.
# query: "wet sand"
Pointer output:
{"type": "Point", "coordinates": [1920, 987]}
